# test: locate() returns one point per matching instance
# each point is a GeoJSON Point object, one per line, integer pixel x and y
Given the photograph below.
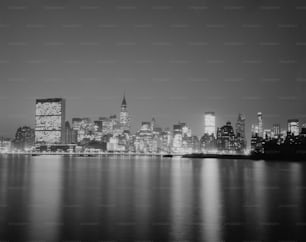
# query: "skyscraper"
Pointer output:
{"type": "Point", "coordinates": [293, 127]}
{"type": "Point", "coordinates": [50, 121]}
{"type": "Point", "coordinates": [210, 123]}
{"type": "Point", "coordinates": [240, 131]}
{"type": "Point", "coordinates": [260, 124]}
{"type": "Point", "coordinates": [124, 116]}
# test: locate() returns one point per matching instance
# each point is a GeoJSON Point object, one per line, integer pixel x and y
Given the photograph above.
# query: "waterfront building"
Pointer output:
{"type": "Point", "coordinates": [50, 121]}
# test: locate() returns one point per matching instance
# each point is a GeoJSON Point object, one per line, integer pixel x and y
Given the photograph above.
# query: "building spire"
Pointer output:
{"type": "Point", "coordinates": [123, 100]}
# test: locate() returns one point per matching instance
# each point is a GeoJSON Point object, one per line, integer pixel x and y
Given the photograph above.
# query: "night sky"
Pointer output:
{"type": "Point", "coordinates": [175, 59]}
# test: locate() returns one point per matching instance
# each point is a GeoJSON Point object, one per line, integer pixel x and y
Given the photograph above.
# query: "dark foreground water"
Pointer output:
{"type": "Point", "coordinates": [53, 198]}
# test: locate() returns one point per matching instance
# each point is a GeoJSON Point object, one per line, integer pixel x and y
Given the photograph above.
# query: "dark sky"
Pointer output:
{"type": "Point", "coordinates": [175, 59]}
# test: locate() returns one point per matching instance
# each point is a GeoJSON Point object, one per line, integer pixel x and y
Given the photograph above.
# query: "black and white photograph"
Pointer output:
{"type": "Point", "coordinates": [152, 120]}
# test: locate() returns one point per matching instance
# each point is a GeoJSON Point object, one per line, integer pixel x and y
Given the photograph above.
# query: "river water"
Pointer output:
{"type": "Point", "coordinates": [61, 198]}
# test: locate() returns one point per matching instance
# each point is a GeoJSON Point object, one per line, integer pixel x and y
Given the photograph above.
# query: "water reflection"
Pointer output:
{"type": "Point", "coordinates": [112, 198]}
{"type": "Point", "coordinates": [181, 199]}
{"type": "Point", "coordinates": [15, 179]}
{"type": "Point", "coordinates": [44, 198]}
{"type": "Point", "coordinates": [211, 201]}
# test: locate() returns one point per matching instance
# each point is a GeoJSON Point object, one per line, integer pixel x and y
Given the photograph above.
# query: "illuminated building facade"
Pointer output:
{"type": "Point", "coordinates": [260, 124]}
{"type": "Point", "coordinates": [50, 121]}
{"type": "Point", "coordinates": [210, 123]}
{"type": "Point", "coordinates": [293, 127]}
{"type": "Point", "coordinates": [240, 132]}
{"type": "Point", "coordinates": [124, 116]}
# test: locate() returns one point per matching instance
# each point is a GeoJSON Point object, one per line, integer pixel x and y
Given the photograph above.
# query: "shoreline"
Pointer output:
{"type": "Point", "coordinates": [255, 157]}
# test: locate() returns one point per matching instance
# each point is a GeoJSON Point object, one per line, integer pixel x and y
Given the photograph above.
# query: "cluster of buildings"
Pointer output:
{"type": "Point", "coordinates": [53, 132]}
{"type": "Point", "coordinates": [112, 134]}
{"type": "Point", "coordinates": [288, 140]}
{"type": "Point", "coordinates": [225, 139]}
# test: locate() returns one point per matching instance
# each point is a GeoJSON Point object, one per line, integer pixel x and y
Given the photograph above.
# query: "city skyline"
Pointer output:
{"type": "Point", "coordinates": [135, 124]}
{"type": "Point", "coordinates": [152, 120]}
{"type": "Point", "coordinates": [176, 60]}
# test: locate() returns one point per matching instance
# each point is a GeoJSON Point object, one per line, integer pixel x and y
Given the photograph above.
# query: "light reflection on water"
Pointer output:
{"type": "Point", "coordinates": [211, 201]}
{"type": "Point", "coordinates": [72, 198]}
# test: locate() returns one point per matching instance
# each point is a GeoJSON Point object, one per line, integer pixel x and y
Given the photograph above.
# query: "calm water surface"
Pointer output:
{"type": "Point", "coordinates": [54, 198]}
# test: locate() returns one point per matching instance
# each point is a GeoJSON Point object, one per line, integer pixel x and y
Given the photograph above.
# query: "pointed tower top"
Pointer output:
{"type": "Point", "coordinates": [123, 100]}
